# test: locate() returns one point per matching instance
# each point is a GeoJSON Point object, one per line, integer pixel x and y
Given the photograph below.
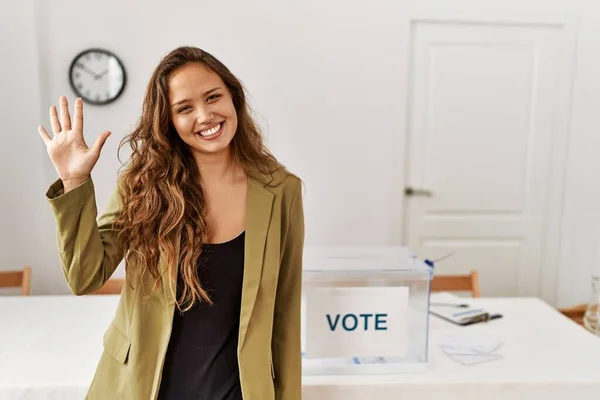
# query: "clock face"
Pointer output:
{"type": "Point", "coordinates": [97, 76]}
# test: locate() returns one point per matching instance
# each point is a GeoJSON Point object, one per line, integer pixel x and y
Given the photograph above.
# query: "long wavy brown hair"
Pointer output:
{"type": "Point", "coordinates": [163, 206]}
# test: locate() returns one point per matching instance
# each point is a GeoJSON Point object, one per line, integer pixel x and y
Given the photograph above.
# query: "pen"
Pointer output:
{"type": "Point", "coordinates": [479, 318]}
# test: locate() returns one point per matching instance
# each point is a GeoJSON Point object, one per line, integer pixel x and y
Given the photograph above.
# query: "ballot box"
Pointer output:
{"type": "Point", "coordinates": [364, 311]}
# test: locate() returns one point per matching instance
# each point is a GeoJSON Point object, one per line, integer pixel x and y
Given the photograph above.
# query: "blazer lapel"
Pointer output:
{"type": "Point", "coordinates": [258, 216]}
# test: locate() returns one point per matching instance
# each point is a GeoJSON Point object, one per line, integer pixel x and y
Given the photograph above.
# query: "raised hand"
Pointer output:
{"type": "Point", "coordinates": [70, 155]}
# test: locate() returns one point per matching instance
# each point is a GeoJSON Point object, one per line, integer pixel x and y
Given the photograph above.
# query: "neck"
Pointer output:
{"type": "Point", "coordinates": [217, 169]}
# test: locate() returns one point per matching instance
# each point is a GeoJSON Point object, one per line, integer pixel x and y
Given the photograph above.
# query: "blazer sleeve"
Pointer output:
{"type": "Point", "coordinates": [287, 357]}
{"type": "Point", "coordinates": [87, 246]}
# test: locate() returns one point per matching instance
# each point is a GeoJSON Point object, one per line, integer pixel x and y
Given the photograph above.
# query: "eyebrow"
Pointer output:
{"type": "Point", "coordinates": [204, 94]}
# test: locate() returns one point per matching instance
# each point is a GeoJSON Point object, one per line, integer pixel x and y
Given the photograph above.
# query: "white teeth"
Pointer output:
{"type": "Point", "coordinates": [210, 132]}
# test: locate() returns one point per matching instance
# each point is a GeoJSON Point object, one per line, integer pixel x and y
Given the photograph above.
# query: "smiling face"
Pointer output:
{"type": "Point", "coordinates": [202, 109]}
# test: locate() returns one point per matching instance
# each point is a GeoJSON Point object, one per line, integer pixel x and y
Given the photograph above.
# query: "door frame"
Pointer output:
{"type": "Point", "coordinates": [553, 241]}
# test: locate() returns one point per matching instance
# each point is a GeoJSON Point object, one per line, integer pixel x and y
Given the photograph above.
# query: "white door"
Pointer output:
{"type": "Point", "coordinates": [481, 140]}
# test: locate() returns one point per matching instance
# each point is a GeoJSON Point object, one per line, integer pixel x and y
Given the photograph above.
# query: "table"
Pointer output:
{"type": "Point", "coordinates": [49, 347]}
{"type": "Point", "coordinates": [546, 356]}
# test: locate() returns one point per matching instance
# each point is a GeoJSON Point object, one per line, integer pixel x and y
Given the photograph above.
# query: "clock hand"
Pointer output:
{"type": "Point", "coordinates": [86, 69]}
{"type": "Point", "coordinates": [101, 75]}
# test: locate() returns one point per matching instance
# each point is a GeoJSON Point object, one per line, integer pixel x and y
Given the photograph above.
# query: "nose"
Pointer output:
{"type": "Point", "coordinates": [203, 115]}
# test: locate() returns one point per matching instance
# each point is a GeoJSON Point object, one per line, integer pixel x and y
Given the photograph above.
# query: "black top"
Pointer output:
{"type": "Point", "coordinates": [201, 361]}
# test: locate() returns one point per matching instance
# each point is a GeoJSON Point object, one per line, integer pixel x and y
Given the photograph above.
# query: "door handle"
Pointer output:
{"type": "Point", "coordinates": [409, 191]}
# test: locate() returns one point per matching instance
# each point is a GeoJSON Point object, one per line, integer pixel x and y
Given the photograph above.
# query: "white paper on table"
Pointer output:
{"type": "Point", "coordinates": [470, 348]}
{"type": "Point", "coordinates": [471, 359]}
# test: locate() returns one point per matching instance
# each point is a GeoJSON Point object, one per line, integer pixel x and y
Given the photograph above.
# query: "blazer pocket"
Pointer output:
{"type": "Point", "coordinates": [116, 344]}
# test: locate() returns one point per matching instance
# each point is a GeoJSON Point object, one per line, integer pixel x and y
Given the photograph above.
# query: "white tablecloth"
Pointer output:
{"type": "Point", "coordinates": [49, 347]}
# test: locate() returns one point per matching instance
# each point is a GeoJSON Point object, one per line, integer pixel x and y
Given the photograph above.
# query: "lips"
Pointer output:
{"type": "Point", "coordinates": [211, 133]}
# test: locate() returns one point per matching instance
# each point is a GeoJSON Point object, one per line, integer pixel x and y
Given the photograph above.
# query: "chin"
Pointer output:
{"type": "Point", "coordinates": [214, 147]}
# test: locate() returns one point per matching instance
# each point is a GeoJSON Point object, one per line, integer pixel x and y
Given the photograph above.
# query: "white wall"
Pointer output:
{"type": "Point", "coordinates": [581, 218]}
{"type": "Point", "coordinates": [26, 236]}
{"type": "Point", "coordinates": [327, 79]}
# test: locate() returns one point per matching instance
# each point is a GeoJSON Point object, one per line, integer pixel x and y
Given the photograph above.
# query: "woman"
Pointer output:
{"type": "Point", "coordinates": [211, 229]}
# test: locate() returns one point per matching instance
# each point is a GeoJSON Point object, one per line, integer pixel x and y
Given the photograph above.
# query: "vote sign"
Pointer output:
{"type": "Point", "coordinates": [356, 322]}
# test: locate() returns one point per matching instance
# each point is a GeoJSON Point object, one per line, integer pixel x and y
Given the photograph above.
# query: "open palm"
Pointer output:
{"type": "Point", "coordinates": [68, 151]}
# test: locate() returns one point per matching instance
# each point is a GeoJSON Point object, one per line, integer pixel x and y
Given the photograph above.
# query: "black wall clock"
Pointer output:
{"type": "Point", "coordinates": [97, 76]}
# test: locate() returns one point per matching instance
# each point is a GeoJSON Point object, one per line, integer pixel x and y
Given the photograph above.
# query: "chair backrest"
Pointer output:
{"type": "Point", "coordinates": [112, 286]}
{"type": "Point", "coordinates": [457, 283]}
{"type": "Point", "coordinates": [575, 313]}
{"type": "Point", "coordinates": [19, 278]}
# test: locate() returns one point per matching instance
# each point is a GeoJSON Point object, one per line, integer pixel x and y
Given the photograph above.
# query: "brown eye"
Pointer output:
{"type": "Point", "coordinates": [213, 98]}
{"type": "Point", "coordinates": [184, 108]}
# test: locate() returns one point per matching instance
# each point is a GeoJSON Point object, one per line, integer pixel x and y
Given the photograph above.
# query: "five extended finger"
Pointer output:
{"type": "Point", "coordinates": [78, 116]}
{"type": "Point", "coordinates": [45, 137]}
{"type": "Point", "coordinates": [56, 128]}
{"type": "Point", "coordinates": [65, 117]}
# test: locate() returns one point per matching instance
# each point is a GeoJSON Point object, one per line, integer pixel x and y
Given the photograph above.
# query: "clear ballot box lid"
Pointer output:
{"type": "Point", "coordinates": [326, 262]}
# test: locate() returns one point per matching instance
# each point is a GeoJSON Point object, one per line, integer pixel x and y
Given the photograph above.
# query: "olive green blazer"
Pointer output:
{"type": "Point", "coordinates": [135, 343]}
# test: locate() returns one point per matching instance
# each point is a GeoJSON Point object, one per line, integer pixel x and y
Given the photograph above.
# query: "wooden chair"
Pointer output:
{"type": "Point", "coordinates": [112, 286]}
{"type": "Point", "coordinates": [575, 313]}
{"type": "Point", "coordinates": [14, 279]}
{"type": "Point", "coordinates": [457, 283]}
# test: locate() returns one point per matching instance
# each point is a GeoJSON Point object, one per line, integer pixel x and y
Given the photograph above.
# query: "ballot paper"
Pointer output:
{"type": "Point", "coordinates": [470, 348]}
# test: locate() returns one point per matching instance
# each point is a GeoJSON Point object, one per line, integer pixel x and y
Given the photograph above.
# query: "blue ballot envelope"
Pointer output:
{"type": "Point", "coordinates": [364, 310]}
